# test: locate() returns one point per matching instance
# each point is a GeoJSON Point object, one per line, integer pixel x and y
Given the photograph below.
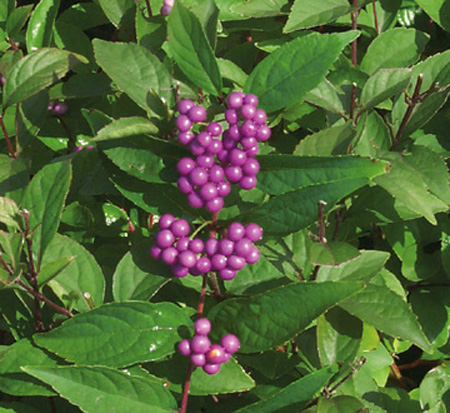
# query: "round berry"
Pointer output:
{"type": "Point", "coordinates": [236, 263]}
{"type": "Point", "coordinates": [185, 138]}
{"type": "Point", "coordinates": [208, 191]}
{"type": "Point", "coordinates": [260, 117]}
{"type": "Point", "coordinates": [251, 99]}
{"type": "Point", "coordinates": [248, 128]}
{"type": "Point", "coordinates": [166, 221]}
{"type": "Point", "coordinates": [235, 100]}
{"type": "Point", "coordinates": [234, 132]}
{"type": "Point", "coordinates": [60, 108]}
{"type": "Point", "coordinates": [226, 246]}
{"type": "Point", "coordinates": [233, 173]}
{"type": "Point", "coordinates": [197, 114]}
{"type": "Point", "coordinates": [185, 105]}
{"type": "Point", "coordinates": [212, 246]}
{"type": "Point", "coordinates": [156, 252]}
{"type": "Point", "coordinates": [169, 255]}
{"type": "Point", "coordinates": [180, 228]}
{"type": "Point", "coordinates": [165, 10]}
{"type": "Point", "coordinates": [203, 265]}
{"type": "Point", "coordinates": [249, 142]}
{"type": "Point", "coordinates": [248, 111]}
{"type": "Point", "coordinates": [215, 354]}
{"type": "Point", "coordinates": [211, 368]}
{"type": "Point", "coordinates": [230, 343]}
{"type": "Point", "coordinates": [180, 271]}
{"type": "Point", "coordinates": [196, 149]}
{"type": "Point", "coordinates": [215, 204]}
{"type": "Point", "coordinates": [252, 152]}
{"type": "Point", "coordinates": [236, 231]}
{"type": "Point", "coordinates": [215, 129]}
{"type": "Point", "coordinates": [253, 257]}
{"type": "Point", "coordinates": [184, 185]}
{"type": "Point", "coordinates": [216, 173]}
{"type": "Point", "coordinates": [200, 344]}
{"type": "Point", "coordinates": [195, 201]}
{"type": "Point", "coordinates": [237, 157]}
{"type": "Point", "coordinates": [184, 347]}
{"type": "Point", "coordinates": [250, 167]}
{"type": "Point", "coordinates": [196, 246]}
{"type": "Point", "coordinates": [253, 232]}
{"type": "Point", "coordinates": [227, 274]}
{"type": "Point", "coordinates": [215, 147]}
{"type": "Point", "coordinates": [202, 326]}
{"type": "Point", "coordinates": [198, 360]}
{"type": "Point", "coordinates": [165, 238]}
{"type": "Point", "coordinates": [183, 123]}
{"type": "Point", "coordinates": [243, 247]}
{"type": "Point", "coordinates": [223, 188]}
{"type": "Point", "coordinates": [199, 176]}
{"type": "Point", "coordinates": [263, 133]}
{"type": "Point", "coordinates": [204, 139]}
{"type": "Point", "coordinates": [231, 116]}
{"type": "Point", "coordinates": [2, 80]}
{"type": "Point", "coordinates": [218, 262]}
{"type": "Point", "coordinates": [183, 244]}
{"type": "Point", "coordinates": [50, 105]}
{"type": "Point", "coordinates": [222, 156]}
{"type": "Point", "coordinates": [205, 161]}
{"type": "Point", "coordinates": [187, 259]}
{"type": "Point", "coordinates": [248, 182]}
{"type": "Point", "coordinates": [228, 143]}
{"type": "Point", "coordinates": [186, 165]}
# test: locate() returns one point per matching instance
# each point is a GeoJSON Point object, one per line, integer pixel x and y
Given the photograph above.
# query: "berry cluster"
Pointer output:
{"type": "Point", "coordinates": [166, 7]}
{"type": "Point", "coordinates": [204, 354]}
{"type": "Point", "coordinates": [220, 162]}
{"type": "Point", "coordinates": [226, 256]}
{"type": "Point", "coordinates": [58, 108]}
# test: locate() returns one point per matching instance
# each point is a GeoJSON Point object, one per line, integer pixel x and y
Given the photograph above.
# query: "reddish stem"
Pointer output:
{"type": "Point", "coordinates": [149, 9]}
{"type": "Point", "coordinates": [186, 388]}
{"type": "Point", "coordinates": [8, 140]}
{"type": "Point", "coordinates": [354, 17]}
{"type": "Point", "coordinates": [375, 17]}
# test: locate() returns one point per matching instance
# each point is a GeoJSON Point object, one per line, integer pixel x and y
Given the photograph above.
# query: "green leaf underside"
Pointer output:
{"type": "Point", "coordinates": [118, 334]}
{"type": "Point", "coordinates": [286, 75]}
{"type": "Point", "coordinates": [104, 390]}
{"type": "Point", "coordinates": [265, 320]}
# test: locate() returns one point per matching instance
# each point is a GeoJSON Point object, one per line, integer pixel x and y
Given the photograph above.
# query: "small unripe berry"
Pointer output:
{"type": "Point", "coordinates": [60, 108]}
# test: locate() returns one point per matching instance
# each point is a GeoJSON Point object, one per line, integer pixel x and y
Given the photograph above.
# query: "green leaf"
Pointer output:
{"type": "Point", "coordinates": [83, 275]}
{"type": "Point", "coordinates": [340, 404]}
{"type": "Point", "coordinates": [434, 388]}
{"type": "Point", "coordinates": [9, 213]}
{"type": "Point", "coordinates": [325, 95]}
{"type": "Point", "coordinates": [104, 390]}
{"type": "Point", "coordinates": [123, 61]}
{"type": "Point", "coordinates": [116, 10]}
{"type": "Point", "coordinates": [397, 47]}
{"type": "Point", "coordinates": [387, 312]}
{"type": "Point", "coordinates": [13, 380]}
{"type": "Point", "coordinates": [12, 245]}
{"type": "Point", "coordinates": [295, 396]}
{"type": "Point", "coordinates": [286, 75]}
{"type": "Point", "coordinates": [40, 26]}
{"type": "Point", "coordinates": [338, 336]}
{"type": "Point", "coordinates": [373, 135]}
{"type": "Point", "coordinates": [82, 85]}
{"type": "Point", "coordinates": [17, 20]}
{"type": "Point", "coordinates": [333, 253]}
{"type": "Point", "coordinates": [438, 10]}
{"type": "Point", "coordinates": [260, 8]}
{"type": "Point", "coordinates": [305, 14]}
{"type": "Point", "coordinates": [83, 15]}
{"type": "Point", "coordinates": [124, 127]}
{"type": "Point", "coordinates": [44, 200]}
{"type": "Point", "coordinates": [382, 85]}
{"type": "Point", "coordinates": [52, 270]}
{"type": "Point", "coordinates": [36, 71]}
{"type": "Point", "coordinates": [191, 50]}
{"type": "Point", "coordinates": [265, 321]}
{"type": "Point", "coordinates": [135, 280]}
{"type": "Point", "coordinates": [118, 334]}
{"type": "Point", "coordinates": [232, 71]}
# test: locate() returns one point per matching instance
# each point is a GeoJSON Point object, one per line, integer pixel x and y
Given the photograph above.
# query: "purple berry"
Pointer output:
{"type": "Point", "coordinates": [2, 80]}
{"type": "Point", "coordinates": [236, 231]}
{"type": "Point", "coordinates": [249, 142]}
{"type": "Point", "coordinates": [185, 105]}
{"type": "Point", "coordinates": [233, 173]}
{"type": "Point", "coordinates": [215, 147]}
{"type": "Point", "coordinates": [253, 257]}
{"type": "Point", "coordinates": [218, 262]}
{"type": "Point", "coordinates": [184, 347]}
{"type": "Point", "coordinates": [237, 157]}
{"type": "Point", "coordinates": [198, 360]}
{"type": "Point", "coordinates": [263, 133]}
{"type": "Point", "coordinates": [226, 246]}
{"type": "Point", "coordinates": [208, 191]}
{"type": "Point", "coordinates": [184, 185]}
{"type": "Point", "coordinates": [199, 176]}
{"type": "Point", "coordinates": [195, 201]}
{"type": "Point", "coordinates": [196, 149]}
{"type": "Point", "coordinates": [180, 228]}
{"type": "Point", "coordinates": [197, 114]}
{"type": "Point", "coordinates": [202, 326]}
{"type": "Point", "coordinates": [260, 117]}
{"type": "Point", "coordinates": [165, 238]}
{"type": "Point", "coordinates": [203, 265]}
{"type": "Point", "coordinates": [196, 246]}
{"type": "Point", "coordinates": [215, 129]}
{"type": "Point", "coordinates": [251, 99]}
{"type": "Point", "coordinates": [243, 247]}
{"type": "Point", "coordinates": [204, 139]}
{"type": "Point", "coordinates": [222, 156]}
{"type": "Point", "coordinates": [60, 108]}
{"type": "Point", "coordinates": [212, 246]}
{"type": "Point", "coordinates": [250, 167]}
{"type": "Point", "coordinates": [180, 271]}
{"type": "Point", "coordinates": [156, 252]}
{"type": "Point", "coordinates": [205, 161]}
{"type": "Point", "coordinates": [200, 344]}
{"type": "Point", "coordinates": [214, 205]}
{"type": "Point", "coordinates": [223, 189]}
{"type": "Point", "coordinates": [231, 116]}
{"type": "Point", "coordinates": [228, 143]}
{"type": "Point", "coordinates": [251, 153]}
{"type": "Point", "coordinates": [227, 274]}
{"type": "Point", "coordinates": [183, 244]}
{"type": "Point", "coordinates": [185, 137]}
{"type": "Point", "coordinates": [165, 10]}
{"type": "Point", "coordinates": [248, 182]}
{"type": "Point", "coordinates": [248, 128]}
{"type": "Point", "coordinates": [236, 263]}
{"type": "Point", "coordinates": [211, 368]}
{"type": "Point", "coordinates": [234, 132]}
{"type": "Point", "coordinates": [169, 255]}
{"type": "Point", "coordinates": [235, 100]}
{"type": "Point", "coordinates": [216, 354]}
{"type": "Point", "coordinates": [183, 123]}
{"type": "Point", "coordinates": [216, 173]}
{"type": "Point", "coordinates": [230, 343]}
{"type": "Point", "coordinates": [187, 259]}
{"type": "Point", "coordinates": [166, 221]}
{"type": "Point", "coordinates": [186, 165]}
{"type": "Point", "coordinates": [248, 111]}
{"type": "Point", "coordinates": [253, 232]}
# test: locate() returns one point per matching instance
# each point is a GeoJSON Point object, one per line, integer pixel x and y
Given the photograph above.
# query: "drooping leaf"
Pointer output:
{"type": "Point", "coordinates": [52, 270]}
{"type": "Point", "coordinates": [325, 95]}
{"type": "Point", "coordinates": [101, 389]}
{"type": "Point", "coordinates": [286, 75]}
{"type": "Point", "coordinates": [124, 127]}
{"type": "Point", "coordinates": [191, 49]}
{"type": "Point", "coordinates": [265, 320]}
{"type": "Point", "coordinates": [118, 334]}
{"type": "Point", "coordinates": [9, 213]}
{"type": "Point", "coordinates": [333, 253]}
{"type": "Point", "coordinates": [40, 26]}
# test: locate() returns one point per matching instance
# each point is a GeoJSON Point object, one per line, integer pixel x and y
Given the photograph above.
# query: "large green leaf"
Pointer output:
{"type": "Point", "coordinates": [116, 10]}
{"type": "Point", "coordinates": [388, 312]}
{"type": "Point", "coordinates": [13, 380]}
{"type": "Point", "coordinates": [36, 71]}
{"type": "Point", "coordinates": [125, 127]}
{"type": "Point", "coordinates": [191, 49]}
{"type": "Point", "coordinates": [17, 20]}
{"type": "Point", "coordinates": [286, 75]}
{"type": "Point", "coordinates": [104, 390]}
{"type": "Point", "coordinates": [265, 320]}
{"type": "Point", "coordinates": [13, 177]}
{"type": "Point", "coordinates": [44, 199]}
{"type": "Point", "coordinates": [438, 10]}
{"type": "Point", "coordinates": [40, 26]}
{"type": "Point", "coordinates": [125, 61]}
{"type": "Point", "coordinates": [118, 334]}
{"type": "Point", "coordinates": [295, 396]}
{"type": "Point", "coordinates": [82, 276]}
{"type": "Point", "coordinates": [398, 47]}
{"type": "Point", "coordinates": [260, 8]}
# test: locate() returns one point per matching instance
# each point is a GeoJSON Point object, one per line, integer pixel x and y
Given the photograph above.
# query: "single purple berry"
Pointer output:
{"type": "Point", "coordinates": [226, 246]}
{"type": "Point", "coordinates": [212, 246]}
{"type": "Point", "coordinates": [222, 156]}
{"type": "Point", "coordinates": [214, 205]}
{"type": "Point", "coordinates": [166, 221]}
{"type": "Point", "coordinates": [204, 139]}
{"type": "Point", "coordinates": [165, 238]}
{"type": "Point", "coordinates": [248, 128]}
{"type": "Point", "coordinates": [251, 99]}
{"type": "Point", "coordinates": [235, 231]}
{"type": "Point", "coordinates": [203, 265]}
{"type": "Point", "coordinates": [248, 111]}
{"type": "Point", "coordinates": [187, 259]}
{"type": "Point", "coordinates": [250, 167]}
{"type": "Point", "coordinates": [185, 105]}
{"type": "Point", "coordinates": [230, 343]}
{"type": "Point", "coordinates": [183, 123]}
{"type": "Point", "coordinates": [260, 117]}
{"type": "Point", "coordinates": [184, 185]}
{"type": "Point", "coordinates": [235, 100]}
{"type": "Point", "coordinates": [199, 176]}
{"type": "Point", "coordinates": [228, 143]}
{"type": "Point", "coordinates": [254, 256]}
{"type": "Point", "coordinates": [264, 133]}
{"type": "Point", "coordinates": [60, 108]}
{"type": "Point", "coordinates": [211, 368]}
{"type": "Point", "coordinates": [227, 274]}
{"type": "Point", "coordinates": [248, 182]}
{"type": "Point", "coordinates": [253, 232]}
{"type": "Point", "coordinates": [50, 106]}
{"type": "Point", "coordinates": [200, 344]}
{"type": "Point", "coordinates": [186, 165]}
{"type": "Point", "coordinates": [231, 116]}
{"type": "Point", "coordinates": [208, 191]}
{"type": "Point", "coordinates": [233, 173]}
{"type": "Point", "coordinates": [197, 114]}
{"type": "Point", "coordinates": [202, 326]}
{"type": "Point", "coordinates": [215, 147]}
{"type": "Point", "coordinates": [169, 255]}
{"type": "Point", "coordinates": [236, 263]}
{"type": "Point", "coordinates": [2, 80]}
{"type": "Point", "coordinates": [185, 138]}
{"type": "Point", "coordinates": [249, 142]}
{"type": "Point", "coordinates": [180, 271]}
{"type": "Point", "coordinates": [198, 360]}
{"type": "Point", "coordinates": [252, 152]}
{"type": "Point", "coordinates": [215, 129]}
{"type": "Point", "coordinates": [180, 228]}
{"type": "Point", "coordinates": [184, 347]}
{"type": "Point", "coordinates": [165, 10]}
{"type": "Point", "coordinates": [205, 161]}
{"type": "Point", "coordinates": [237, 157]}
{"type": "Point", "coordinates": [196, 246]}
{"type": "Point", "coordinates": [215, 354]}
{"type": "Point", "coordinates": [156, 252]}
{"type": "Point", "coordinates": [183, 244]}
{"type": "Point", "coordinates": [223, 189]}
{"type": "Point", "coordinates": [216, 174]}
{"type": "Point", "coordinates": [243, 247]}
{"type": "Point", "coordinates": [234, 132]}
{"type": "Point", "coordinates": [196, 149]}
{"type": "Point", "coordinates": [218, 262]}
{"type": "Point", "coordinates": [195, 201]}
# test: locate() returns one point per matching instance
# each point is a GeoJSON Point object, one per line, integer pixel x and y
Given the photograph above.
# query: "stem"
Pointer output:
{"type": "Point", "coordinates": [411, 102]}
{"type": "Point", "coordinates": [149, 9]}
{"type": "Point", "coordinates": [205, 224]}
{"type": "Point", "coordinates": [186, 388]}
{"type": "Point", "coordinates": [8, 140]}
{"type": "Point", "coordinates": [354, 17]}
{"type": "Point", "coordinates": [200, 95]}
{"type": "Point", "coordinates": [375, 17]}
{"type": "Point", "coordinates": [6, 266]}
{"type": "Point", "coordinates": [320, 223]}
{"type": "Point", "coordinates": [215, 286]}
{"type": "Point", "coordinates": [347, 376]}
{"type": "Point", "coordinates": [352, 103]}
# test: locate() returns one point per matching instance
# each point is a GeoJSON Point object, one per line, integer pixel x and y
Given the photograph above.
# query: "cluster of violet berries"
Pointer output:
{"type": "Point", "coordinates": [221, 157]}
{"type": "Point", "coordinates": [204, 354]}
{"type": "Point", "coordinates": [166, 7]}
{"type": "Point", "coordinates": [225, 256]}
